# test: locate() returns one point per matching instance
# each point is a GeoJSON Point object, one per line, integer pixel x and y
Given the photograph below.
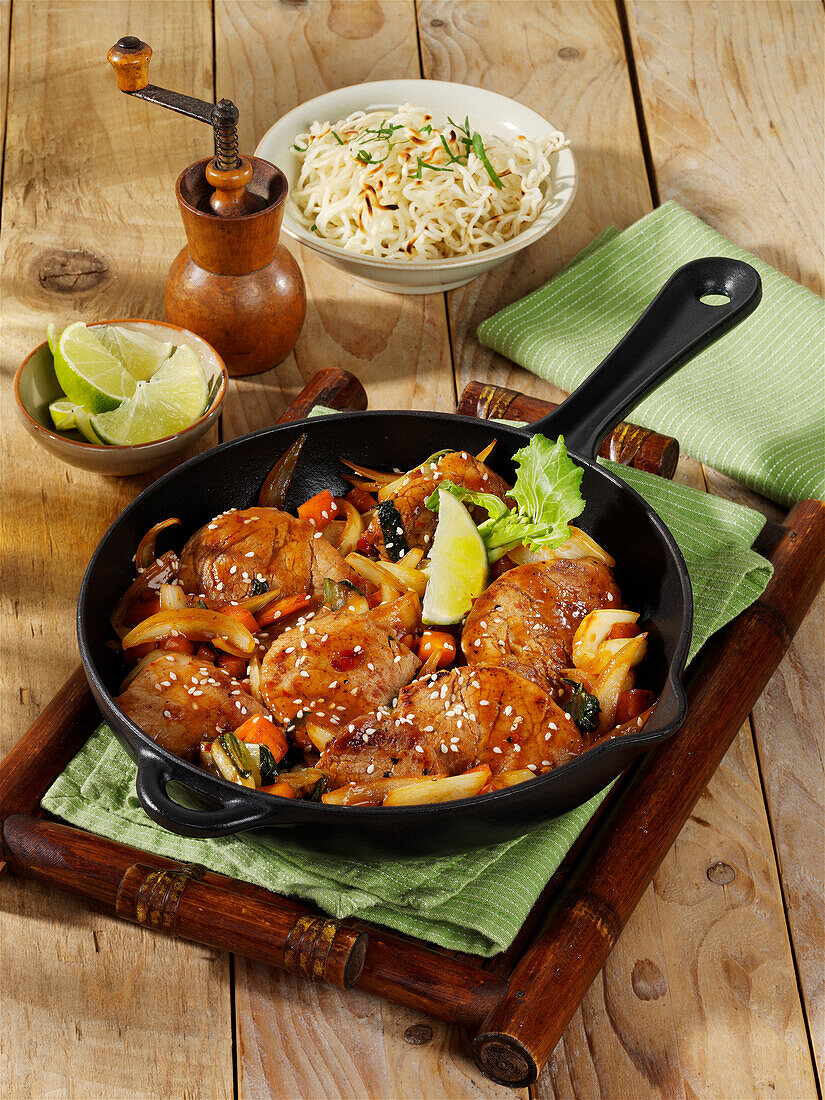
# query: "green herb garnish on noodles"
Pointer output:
{"type": "Point", "coordinates": [478, 149]}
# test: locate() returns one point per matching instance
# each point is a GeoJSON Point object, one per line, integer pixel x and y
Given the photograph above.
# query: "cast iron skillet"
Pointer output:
{"type": "Point", "coordinates": [650, 571]}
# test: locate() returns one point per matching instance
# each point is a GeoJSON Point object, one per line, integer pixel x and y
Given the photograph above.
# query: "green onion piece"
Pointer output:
{"type": "Point", "coordinates": [478, 149]}
{"type": "Point", "coordinates": [300, 148]}
{"type": "Point", "coordinates": [338, 138]}
{"type": "Point", "coordinates": [313, 228]}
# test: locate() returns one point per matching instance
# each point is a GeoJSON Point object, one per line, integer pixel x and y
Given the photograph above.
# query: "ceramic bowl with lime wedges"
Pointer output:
{"type": "Point", "coordinates": [119, 397]}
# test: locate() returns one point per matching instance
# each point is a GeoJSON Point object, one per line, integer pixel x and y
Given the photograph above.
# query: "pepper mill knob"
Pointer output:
{"type": "Point", "coordinates": [129, 58]}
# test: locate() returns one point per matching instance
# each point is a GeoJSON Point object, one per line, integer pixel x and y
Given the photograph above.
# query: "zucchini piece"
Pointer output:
{"type": "Point", "coordinates": [265, 762]}
{"type": "Point", "coordinates": [338, 594]}
{"type": "Point", "coordinates": [392, 530]}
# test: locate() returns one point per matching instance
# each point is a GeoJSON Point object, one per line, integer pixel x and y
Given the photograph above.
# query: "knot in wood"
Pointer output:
{"type": "Point", "coordinates": [70, 270]}
{"type": "Point", "coordinates": [720, 874]}
{"type": "Point", "coordinates": [647, 980]}
{"type": "Point", "coordinates": [436, 22]}
{"type": "Point", "coordinates": [418, 1034]}
{"type": "Point", "coordinates": [567, 53]}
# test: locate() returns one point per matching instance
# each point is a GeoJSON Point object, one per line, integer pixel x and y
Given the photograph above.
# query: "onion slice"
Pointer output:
{"type": "Point", "coordinates": [145, 553]}
{"type": "Point", "coordinates": [196, 625]}
{"type": "Point", "coordinates": [161, 571]}
{"type": "Point", "coordinates": [274, 489]}
{"type": "Point", "coordinates": [353, 527]}
{"type": "Point", "coordinates": [376, 574]}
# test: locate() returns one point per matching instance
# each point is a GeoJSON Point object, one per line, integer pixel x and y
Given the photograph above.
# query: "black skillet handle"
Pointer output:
{"type": "Point", "coordinates": [675, 326]}
{"type": "Point", "coordinates": [233, 816]}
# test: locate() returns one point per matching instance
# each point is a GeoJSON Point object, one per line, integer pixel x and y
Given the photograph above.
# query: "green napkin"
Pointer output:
{"type": "Point", "coordinates": [752, 405]}
{"type": "Point", "coordinates": [473, 902]}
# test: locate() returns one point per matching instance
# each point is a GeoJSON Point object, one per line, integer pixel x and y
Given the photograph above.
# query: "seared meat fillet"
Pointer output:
{"type": "Point", "coordinates": [419, 522]}
{"type": "Point", "coordinates": [180, 700]}
{"type": "Point", "coordinates": [527, 618]}
{"type": "Point", "coordinates": [446, 723]}
{"type": "Point", "coordinates": [334, 666]}
{"type": "Point", "coordinates": [223, 560]}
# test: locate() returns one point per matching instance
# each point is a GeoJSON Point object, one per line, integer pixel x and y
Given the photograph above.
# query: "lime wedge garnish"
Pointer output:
{"type": "Point", "coordinates": [62, 414]}
{"type": "Point", "coordinates": [458, 564]}
{"type": "Point", "coordinates": [170, 401]}
{"type": "Point", "coordinates": [140, 354]}
{"type": "Point", "coordinates": [89, 374]}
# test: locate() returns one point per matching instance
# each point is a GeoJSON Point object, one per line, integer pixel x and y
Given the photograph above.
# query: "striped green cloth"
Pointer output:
{"type": "Point", "coordinates": [752, 405]}
{"type": "Point", "coordinates": [474, 902]}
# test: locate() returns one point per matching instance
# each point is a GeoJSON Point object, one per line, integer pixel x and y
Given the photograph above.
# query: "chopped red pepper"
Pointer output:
{"type": "Point", "coordinates": [141, 610]}
{"type": "Point", "coordinates": [360, 499]}
{"type": "Point", "coordinates": [344, 660]}
{"type": "Point", "coordinates": [623, 630]}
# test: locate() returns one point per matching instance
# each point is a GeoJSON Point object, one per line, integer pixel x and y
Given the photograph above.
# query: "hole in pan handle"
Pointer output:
{"type": "Point", "coordinates": [233, 816]}
{"type": "Point", "coordinates": [675, 326]}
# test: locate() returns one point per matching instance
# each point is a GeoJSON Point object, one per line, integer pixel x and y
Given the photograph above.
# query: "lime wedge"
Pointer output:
{"type": "Point", "coordinates": [140, 354]}
{"type": "Point", "coordinates": [62, 414]}
{"type": "Point", "coordinates": [83, 423]}
{"type": "Point", "coordinates": [458, 564]}
{"type": "Point", "coordinates": [53, 336]}
{"type": "Point", "coordinates": [89, 374]}
{"type": "Point", "coordinates": [170, 401]}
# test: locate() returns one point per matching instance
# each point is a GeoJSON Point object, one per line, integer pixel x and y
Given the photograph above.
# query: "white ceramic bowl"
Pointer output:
{"type": "Point", "coordinates": [488, 112]}
{"type": "Point", "coordinates": [35, 386]}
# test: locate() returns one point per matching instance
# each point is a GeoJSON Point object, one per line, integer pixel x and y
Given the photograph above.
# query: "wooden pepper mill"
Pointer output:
{"type": "Point", "coordinates": [233, 283]}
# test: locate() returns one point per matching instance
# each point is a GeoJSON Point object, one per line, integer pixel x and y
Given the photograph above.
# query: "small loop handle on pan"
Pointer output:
{"type": "Point", "coordinates": [233, 816]}
{"type": "Point", "coordinates": [675, 326]}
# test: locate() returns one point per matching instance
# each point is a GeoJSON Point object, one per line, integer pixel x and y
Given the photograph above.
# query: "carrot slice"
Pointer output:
{"type": "Point", "coordinates": [177, 645]}
{"type": "Point", "coordinates": [242, 615]}
{"type": "Point", "coordinates": [260, 731]}
{"type": "Point", "coordinates": [437, 649]}
{"type": "Point", "coordinates": [281, 609]}
{"type": "Point", "coordinates": [282, 789]}
{"type": "Point", "coordinates": [632, 703]}
{"type": "Point", "coordinates": [232, 666]}
{"type": "Point", "coordinates": [319, 510]}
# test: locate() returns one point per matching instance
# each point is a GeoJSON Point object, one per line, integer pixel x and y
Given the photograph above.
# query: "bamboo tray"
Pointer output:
{"type": "Point", "coordinates": [518, 1003]}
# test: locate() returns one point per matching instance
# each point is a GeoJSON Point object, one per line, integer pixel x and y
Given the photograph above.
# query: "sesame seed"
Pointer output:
{"type": "Point", "coordinates": [497, 749]}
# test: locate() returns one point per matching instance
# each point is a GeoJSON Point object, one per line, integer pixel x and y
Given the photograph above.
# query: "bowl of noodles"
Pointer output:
{"type": "Point", "coordinates": [419, 186]}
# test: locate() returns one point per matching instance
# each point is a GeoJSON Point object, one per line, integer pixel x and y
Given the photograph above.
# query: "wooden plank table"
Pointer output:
{"type": "Point", "coordinates": [716, 986]}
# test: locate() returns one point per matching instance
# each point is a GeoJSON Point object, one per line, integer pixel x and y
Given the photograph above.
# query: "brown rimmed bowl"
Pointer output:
{"type": "Point", "coordinates": [35, 387]}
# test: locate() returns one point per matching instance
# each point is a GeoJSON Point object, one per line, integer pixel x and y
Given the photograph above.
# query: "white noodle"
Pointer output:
{"type": "Point", "coordinates": [404, 206]}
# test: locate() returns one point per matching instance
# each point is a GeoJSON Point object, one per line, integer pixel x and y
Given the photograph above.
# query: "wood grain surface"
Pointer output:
{"type": "Point", "coordinates": [89, 229]}
{"type": "Point", "coordinates": [700, 996]}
